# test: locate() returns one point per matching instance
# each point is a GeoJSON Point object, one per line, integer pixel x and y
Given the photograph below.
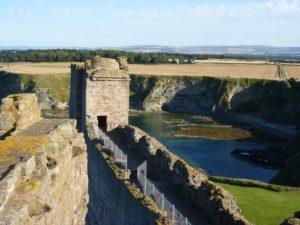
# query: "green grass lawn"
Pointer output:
{"type": "Point", "coordinates": [262, 206]}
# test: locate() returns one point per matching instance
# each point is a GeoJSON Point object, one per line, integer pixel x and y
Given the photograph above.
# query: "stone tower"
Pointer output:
{"type": "Point", "coordinates": [100, 92]}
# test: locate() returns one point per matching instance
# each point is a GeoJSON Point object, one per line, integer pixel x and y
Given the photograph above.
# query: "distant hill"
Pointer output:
{"type": "Point", "coordinates": [148, 54]}
{"type": "Point", "coordinates": [211, 50]}
{"type": "Point", "coordinates": [254, 50]}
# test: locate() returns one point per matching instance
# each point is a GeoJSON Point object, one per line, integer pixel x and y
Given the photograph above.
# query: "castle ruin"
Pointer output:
{"type": "Point", "coordinates": [100, 92]}
{"type": "Point", "coordinates": [66, 170]}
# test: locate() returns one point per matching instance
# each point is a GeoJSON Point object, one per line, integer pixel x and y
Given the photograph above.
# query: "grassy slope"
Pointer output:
{"type": "Point", "coordinates": [58, 84]}
{"type": "Point", "coordinates": [262, 206]}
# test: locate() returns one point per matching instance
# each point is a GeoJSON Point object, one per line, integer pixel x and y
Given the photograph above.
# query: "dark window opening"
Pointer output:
{"type": "Point", "coordinates": [102, 122]}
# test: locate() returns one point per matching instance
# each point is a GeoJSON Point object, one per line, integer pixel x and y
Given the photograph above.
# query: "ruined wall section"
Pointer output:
{"type": "Point", "coordinates": [108, 97]}
{"type": "Point", "coordinates": [78, 74]}
{"type": "Point", "coordinates": [50, 187]}
{"type": "Point", "coordinates": [113, 198]}
{"type": "Point", "coordinates": [100, 88]}
{"type": "Point", "coordinates": [107, 91]}
{"type": "Point", "coordinates": [18, 111]}
{"type": "Point", "coordinates": [74, 91]}
{"type": "Point", "coordinates": [207, 196]}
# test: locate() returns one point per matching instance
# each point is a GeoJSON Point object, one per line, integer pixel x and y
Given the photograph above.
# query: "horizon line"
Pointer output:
{"type": "Point", "coordinates": [29, 47]}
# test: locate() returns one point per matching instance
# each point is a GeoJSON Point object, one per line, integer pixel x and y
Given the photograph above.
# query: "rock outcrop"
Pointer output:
{"type": "Point", "coordinates": [49, 186]}
{"type": "Point", "coordinates": [208, 197]}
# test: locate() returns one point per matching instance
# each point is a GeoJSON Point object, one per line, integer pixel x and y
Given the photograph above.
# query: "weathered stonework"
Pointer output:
{"type": "Point", "coordinates": [18, 111]}
{"type": "Point", "coordinates": [50, 186]}
{"type": "Point", "coordinates": [103, 92]}
{"type": "Point", "coordinates": [114, 199]}
{"type": "Point", "coordinates": [208, 197]}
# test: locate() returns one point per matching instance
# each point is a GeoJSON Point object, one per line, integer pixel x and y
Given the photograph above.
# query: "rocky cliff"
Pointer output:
{"type": "Point", "coordinates": [275, 101]}
{"type": "Point", "coordinates": [256, 102]}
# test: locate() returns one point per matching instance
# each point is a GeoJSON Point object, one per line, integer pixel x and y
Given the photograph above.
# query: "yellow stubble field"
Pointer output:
{"type": "Point", "coordinates": [234, 70]}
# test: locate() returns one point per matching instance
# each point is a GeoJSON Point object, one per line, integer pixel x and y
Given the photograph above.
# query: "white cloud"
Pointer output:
{"type": "Point", "coordinates": [263, 8]}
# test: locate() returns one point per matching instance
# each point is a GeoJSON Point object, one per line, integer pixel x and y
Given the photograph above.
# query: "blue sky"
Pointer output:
{"type": "Point", "coordinates": [109, 23]}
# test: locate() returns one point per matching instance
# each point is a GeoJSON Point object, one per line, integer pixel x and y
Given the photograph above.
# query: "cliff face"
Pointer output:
{"type": "Point", "coordinates": [49, 185]}
{"type": "Point", "coordinates": [277, 101]}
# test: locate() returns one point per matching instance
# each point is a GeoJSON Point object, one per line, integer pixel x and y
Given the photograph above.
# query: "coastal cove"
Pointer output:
{"type": "Point", "coordinates": [210, 154]}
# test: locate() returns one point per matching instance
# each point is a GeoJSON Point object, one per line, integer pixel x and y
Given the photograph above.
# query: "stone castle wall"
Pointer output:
{"type": "Point", "coordinates": [76, 94]}
{"type": "Point", "coordinates": [208, 197]}
{"type": "Point", "coordinates": [73, 91]}
{"type": "Point", "coordinates": [100, 88]}
{"type": "Point", "coordinates": [50, 187]}
{"type": "Point", "coordinates": [110, 98]}
{"type": "Point", "coordinates": [113, 198]}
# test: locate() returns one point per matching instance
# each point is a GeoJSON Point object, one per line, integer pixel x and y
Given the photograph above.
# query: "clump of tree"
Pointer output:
{"type": "Point", "coordinates": [69, 55]}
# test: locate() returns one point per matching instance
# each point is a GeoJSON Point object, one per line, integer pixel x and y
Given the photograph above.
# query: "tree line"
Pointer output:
{"type": "Point", "coordinates": [68, 55]}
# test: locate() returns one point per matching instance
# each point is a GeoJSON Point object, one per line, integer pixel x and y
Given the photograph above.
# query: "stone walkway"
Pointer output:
{"type": "Point", "coordinates": [25, 143]}
{"type": "Point", "coordinates": [41, 127]}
